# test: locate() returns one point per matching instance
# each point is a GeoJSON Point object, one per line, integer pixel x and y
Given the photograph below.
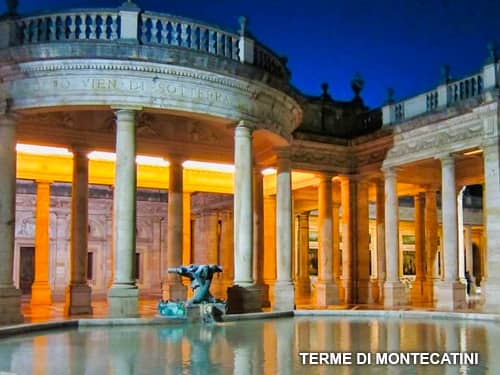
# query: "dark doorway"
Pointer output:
{"type": "Point", "coordinates": [27, 269]}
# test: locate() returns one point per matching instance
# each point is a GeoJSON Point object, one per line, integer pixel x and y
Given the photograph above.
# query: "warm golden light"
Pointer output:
{"type": "Point", "coordinates": [140, 159]}
{"type": "Point", "coordinates": [473, 152]}
{"type": "Point", "coordinates": [268, 171]}
{"type": "Point", "coordinates": [225, 168]}
{"type": "Point", "coordinates": [42, 150]}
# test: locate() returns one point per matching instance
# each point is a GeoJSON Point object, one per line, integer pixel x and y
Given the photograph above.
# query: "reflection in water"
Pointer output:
{"type": "Point", "coordinates": [249, 347]}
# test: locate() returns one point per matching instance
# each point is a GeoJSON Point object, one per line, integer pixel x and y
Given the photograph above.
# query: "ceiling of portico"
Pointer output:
{"type": "Point", "coordinates": [159, 133]}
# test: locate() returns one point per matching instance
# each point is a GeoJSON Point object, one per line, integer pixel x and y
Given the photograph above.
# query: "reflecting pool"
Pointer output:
{"type": "Point", "coordinates": [252, 347]}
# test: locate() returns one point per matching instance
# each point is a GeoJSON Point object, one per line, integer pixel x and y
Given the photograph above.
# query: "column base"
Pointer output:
{"type": "Point", "coordinates": [490, 291]}
{"type": "Point", "coordinates": [123, 302]}
{"type": "Point", "coordinates": [394, 294]}
{"type": "Point", "coordinates": [78, 300]}
{"type": "Point", "coordinates": [417, 292]}
{"type": "Point", "coordinates": [41, 293]}
{"type": "Point", "coordinates": [326, 293]}
{"type": "Point", "coordinates": [428, 291]}
{"type": "Point", "coordinates": [380, 287]}
{"type": "Point", "coordinates": [284, 296]}
{"type": "Point", "coordinates": [173, 291]}
{"type": "Point", "coordinates": [10, 306]}
{"type": "Point", "coordinates": [242, 300]}
{"type": "Point", "coordinates": [264, 294]}
{"type": "Point", "coordinates": [347, 291]}
{"type": "Point", "coordinates": [451, 295]}
{"type": "Point", "coordinates": [303, 289]}
{"type": "Point", "coordinates": [364, 292]}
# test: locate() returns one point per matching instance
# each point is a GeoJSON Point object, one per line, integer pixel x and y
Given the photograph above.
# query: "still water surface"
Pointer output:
{"type": "Point", "coordinates": [249, 347]}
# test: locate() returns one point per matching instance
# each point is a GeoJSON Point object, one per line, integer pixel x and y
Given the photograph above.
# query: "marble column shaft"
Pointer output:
{"type": "Point", "coordinates": [303, 282]}
{"type": "Point", "coordinates": [363, 291]}
{"type": "Point", "coordinates": [10, 297]}
{"type": "Point", "coordinates": [283, 288]}
{"type": "Point", "coordinates": [394, 291]}
{"type": "Point", "coordinates": [380, 223]}
{"type": "Point", "coordinates": [449, 219]}
{"type": "Point", "coordinates": [348, 194]}
{"type": "Point", "coordinates": [451, 293]}
{"type": "Point", "coordinates": [172, 288]}
{"type": "Point", "coordinates": [123, 295]}
{"type": "Point", "coordinates": [258, 230]}
{"type": "Point", "coordinates": [417, 287]}
{"type": "Point", "coordinates": [243, 206]}
{"type": "Point", "coordinates": [326, 292]}
{"type": "Point", "coordinates": [78, 293]}
{"type": "Point", "coordinates": [336, 231]}
{"type": "Point", "coordinates": [491, 194]}
{"type": "Point", "coordinates": [460, 235]}
{"type": "Point", "coordinates": [40, 290]}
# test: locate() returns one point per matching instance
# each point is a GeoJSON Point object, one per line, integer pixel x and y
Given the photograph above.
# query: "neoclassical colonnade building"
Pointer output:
{"type": "Point", "coordinates": [139, 141]}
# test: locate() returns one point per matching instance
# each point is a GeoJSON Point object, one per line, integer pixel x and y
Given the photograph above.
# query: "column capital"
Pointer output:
{"type": "Point", "coordinates": [325, 176]}
{"type": "Point", "coordinates": [126, 113]}
{"type": "Point", "coordinates": [490, 143]}
{"type": "Point", "coordinates": [246, 124]}
{"type": "Point", "coordinates": [80, 148]}
{"type": "Point", "coordinates": [175, 158]}
{"type": "Point", "coordinates": [43, 181]}
{"type": "Point", "coordinates": [390, 172]}
{"type": "Point", "coordinates": [446, 159]}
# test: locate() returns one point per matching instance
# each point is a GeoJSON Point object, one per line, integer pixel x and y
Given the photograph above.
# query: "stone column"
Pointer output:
{"type": "Point", "coordinates": [394, 290]}
{"type": "Point", "coordinates": [242, 296]}
{"type": "Point", "coordinates": [172, 287]}
{"type": "Point", "coordinates": [186, 228]}
{"type": "Point", "coordinates": [348, 194]}
{"type": "Point", "coordinates": [258, 235]}
{"type": "Point", "coordinates": [469, 254]}
{"type": "Point", "coordinates": [270, 243]}
{"type": "Point", "coordinates": [227, 246]}
{"type": "Point", "coordinates": [325, 291]}
{"type": "Point", "coordinates": [431, 244]}
{"type": "Point", "coordinates": [303, 282]}
{"type": "Point", "coordinates": [78, 292]}
{"type": "Point", "coordinates": [283, 288]}
{"type": "Point", "coordinates": [491, 193]}
{"type": "Point", "coordinates": [336, 233]}
{"type": "Point", "coordinates": [40, 290]}
{"type": "Point", "coordinates": [10, 296]}
{"type": "Point", "coordinates": [363, 291]}
{"type": "Point", "coordinates": [417, 291]}
{"type": "Point", "coordinates": [451, 293]}
{"type": "Point", "coordinates": [123, 294]}
{"type": "Point", "coordinates": [380, 223]}
{"type": "Point", "coordinates": [461, 244]}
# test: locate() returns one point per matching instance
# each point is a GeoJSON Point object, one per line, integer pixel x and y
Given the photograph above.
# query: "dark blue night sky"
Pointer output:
{"type": "Point", "coordinates": [392, 43]}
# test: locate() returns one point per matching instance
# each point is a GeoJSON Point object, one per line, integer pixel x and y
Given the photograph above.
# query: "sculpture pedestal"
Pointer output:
{"type": "Point", "coordinates": [243, 300]}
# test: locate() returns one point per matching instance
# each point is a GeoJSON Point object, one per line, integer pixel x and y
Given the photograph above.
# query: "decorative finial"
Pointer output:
{"type": "Point", "coordinates": [445, 74]}
{"type": "Point", "coordinates": [390, 96]}
{"type": "Point", "coordinates": [12, 7]}
{"type": "Point", "coordinates": [243, 25]}
{"type": "Point", "coordinates": [492, 53]}
{"type": "Point", "coordinates": [324, 87]}
{"type": "Point", "coordinates": [357, 84]}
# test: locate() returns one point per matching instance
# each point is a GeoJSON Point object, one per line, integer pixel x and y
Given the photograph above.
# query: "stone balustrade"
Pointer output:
{"type": "Point", "coordinates": [160, 29]}
{"type": "Point", "coordinates": [131, 25]}
{"type": "Point", "coordinates": [448, 94]}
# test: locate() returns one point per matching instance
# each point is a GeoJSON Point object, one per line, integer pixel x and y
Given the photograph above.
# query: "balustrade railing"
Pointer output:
{"type": "Point", "coordinates": [173, 31]}
{"type": "Point", "coordinates": [75, 25]}
{"type": "Point", "coordinates": [152, 28]}
{"type": "Point", "coordinates": [445, 95]}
